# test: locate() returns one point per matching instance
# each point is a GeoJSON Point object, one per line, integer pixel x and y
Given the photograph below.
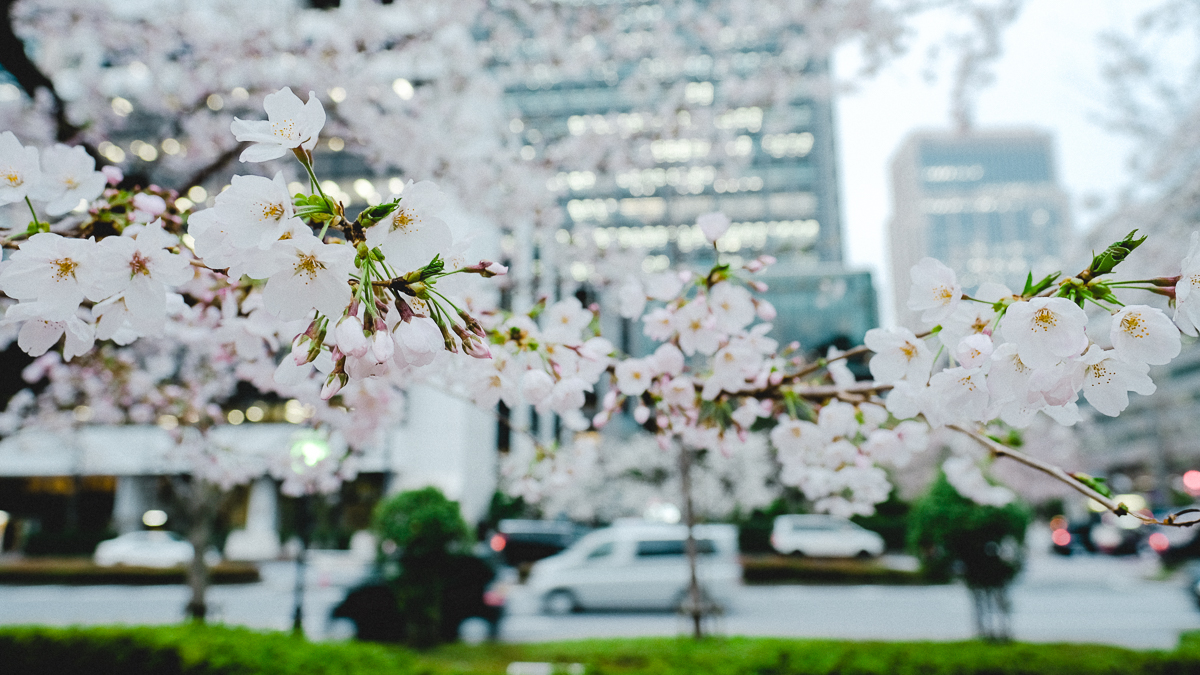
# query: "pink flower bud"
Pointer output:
{"type": "Point", "coordinates": [776, 378]}
{"type": "Point", "coordinates": [610, 399]}
{"type": "Point", "coordinates": [350, 338]}
{"type": "Point", "coordinates": [333, 385]}
{"type": "Point", "coordinates": [758, 286]}
{"type": "Point", "coordinates": [382, 346]}
{"type": "Point", "coordinates": [601, 419]}
{"type": "Point", "coordinates": [765, 310]}
{"type": "Point", "coordinates": [152, 204]}
{"type": "Point", "coordinates": [641, 414]}
{"type": "Point", "coordinates": [112, 174]}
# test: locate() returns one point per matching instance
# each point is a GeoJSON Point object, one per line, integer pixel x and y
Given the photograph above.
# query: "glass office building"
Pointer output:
{"type": "Point", "coordinates": [985, 203]}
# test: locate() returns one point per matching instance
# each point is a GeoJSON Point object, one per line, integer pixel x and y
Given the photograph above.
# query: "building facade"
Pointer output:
{"type": "Point", "coordinates": [985, 203]}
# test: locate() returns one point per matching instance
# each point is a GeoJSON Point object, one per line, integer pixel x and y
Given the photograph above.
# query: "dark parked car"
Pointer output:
{"type": "Point", "coordinates": [520, 542]}
{"type": "Point", "coordinates": [476, 592]}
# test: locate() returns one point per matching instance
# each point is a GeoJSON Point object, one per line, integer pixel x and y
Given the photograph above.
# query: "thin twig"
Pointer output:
{"type": "Point", "coordinates": [1000, 450]}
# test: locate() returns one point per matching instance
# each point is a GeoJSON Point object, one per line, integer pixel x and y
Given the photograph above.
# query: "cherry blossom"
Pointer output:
{"type": "Point", "coordinates": [1142, 334]}
{"type": "Point", "coordinates": [899, 355]}
{"type": "Point", "coordinates": [68, 177]}
{"type": "Point", "coordinates": [19, 169]}
{"type": "Point", "coordinates": [59, 273]}
{"type": "Point", "coordinates": [1187, 290]}
{"type": "Point", "coordinates": [313, 276]}
{"type": "Point", "coordinates": [1107, 380]}
{"type": "Point", "coordinates": [935, 291]}
{"type": "Point", "coordinates": [713, 225]}
{"type": "Point", "coordinates": [1045, 330]}
{"type": "Point", "coordinates": [290, 124]}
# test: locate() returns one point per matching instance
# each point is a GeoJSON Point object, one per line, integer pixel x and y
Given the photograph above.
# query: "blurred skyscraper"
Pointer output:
{"type": "Point", "coordinates": [770, 169]}
{"type": "Point", "coordinates": [985, 203]}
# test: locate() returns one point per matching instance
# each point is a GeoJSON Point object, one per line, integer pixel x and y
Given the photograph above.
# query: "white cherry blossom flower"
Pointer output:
{"type": "Point", "coordinates": [899, 355]}
{"type": "Point", "coordinates": [695, 325]}
{"type": "Point", "coordinates": [290, 124]}
{"type": "Point", "coordinates": [59, 272]}
{"type": "Point", "coordinates": [1008, 377]}
{"type": "Point", "coordinates": [258, 210]}
{"type": "Point", "coordinates": [565, 320]}
{"type": "Point", "coordinates": [631, 300]}
{"type": "Point", "coordinates": [568, 395]}
{"type": "Point", "coordinates": [680, 392]}
{"type": "Point", "coordinates": [1108, 380]}
{"type": "Point", "coordinates": [668, 359]}
{"type": "Point", "coordinates": [838, 371]}
{"type": "Point", "coordinates": [314, 275]}
{"type": "Point", "coordinates": [907, 400]}
{"type": "Point", "coordinates": [68, 176]}
{"type": "Point", "coordinates": [713, 225]}
{"type": "Point", "coordinates": [974, 351]}
{"type": "Point", "coordinates": [1187, 289]}
{"type": "Point", "coordinates": [957, 396]}
{"type": "Point", "coordinates": [1045, 330]}
{"type": "Point", "coordinates": [732, 366]}
{"type": "Point", "coordinates": [748, 413]}
{"type": "Point", "coordinates": [634, 376]}
{"type": "Point", "coordinates": [39, 334]}
{"type": "Point", "coordinates": [146, 270]}
{"type": "Point", "coordinates": [665, 285]}
{"type": "Point", "coordinates": [659, 324]}
{"type": "Point", "coordinates": [413, 233]}
{"type": "Point", "coordinates": [935, 291]}
{"type": "Point", "coordinates": [732, 305]}
{"type": "Point", "coordinates": [536, 385]}
{"type": "Point", "coordinates": [973, 318]}
{"type": "Point", "coordinates": [793, 436]}
{"type": "Point", "coordinates": [19, 170]}
{"type": "Point", "coordinates": [1143, 334]}
{"type": "Point", "coordinates": [418, 342]}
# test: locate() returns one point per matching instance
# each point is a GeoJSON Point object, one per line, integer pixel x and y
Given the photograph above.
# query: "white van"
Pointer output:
{"type": "Point", "coordinates": [637, 565]}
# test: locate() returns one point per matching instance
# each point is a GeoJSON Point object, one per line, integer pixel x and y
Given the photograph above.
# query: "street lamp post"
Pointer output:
{"type": "Point", "coordinates": [306, 452]}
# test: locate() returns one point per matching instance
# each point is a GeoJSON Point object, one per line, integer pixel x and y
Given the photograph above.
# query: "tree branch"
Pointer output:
{"type": "Point", "coordinates": [1000, 450]}
{"type": "Point", "coordinates": [213, 167]}
{"type": "Point", "coordinates": [30, 78]}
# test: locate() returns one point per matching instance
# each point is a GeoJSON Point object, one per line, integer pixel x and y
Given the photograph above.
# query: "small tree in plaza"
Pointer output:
{"type": "Point", "coordinates": [425, 549]}
{"type": "Point", "coordinates": [983, 544]}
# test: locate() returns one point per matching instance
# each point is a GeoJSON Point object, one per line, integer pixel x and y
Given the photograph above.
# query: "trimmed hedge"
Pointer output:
{"type": "Point", "coordinates": [82, 571]}
{"type": "Point", "coordinates": [214, 650]}
{"type": "Point", "coordinates": [779, 569]}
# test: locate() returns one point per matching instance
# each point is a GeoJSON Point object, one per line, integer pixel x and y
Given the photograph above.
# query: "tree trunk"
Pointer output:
{"type": "Point", "coordinates": [694, 604]}
{"type": "Point", "coordinates": [201, 501]}
{"type": "Point", "coordinates": [992, 613]}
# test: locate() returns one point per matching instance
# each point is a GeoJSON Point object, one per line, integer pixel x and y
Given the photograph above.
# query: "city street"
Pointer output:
{"type": "Point", "coordinates": [1078, 599]}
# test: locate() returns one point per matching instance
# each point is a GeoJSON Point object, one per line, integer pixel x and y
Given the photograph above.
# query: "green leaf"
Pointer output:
{"type": "Point", "coordinates": [1112, 256]}
{"type": "Point", "coordinates": [1028, 285]}
{"type": "Point", "coordinates": [1098, 484]}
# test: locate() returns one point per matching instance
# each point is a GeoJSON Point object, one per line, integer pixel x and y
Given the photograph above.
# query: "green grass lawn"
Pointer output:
{"type": "Point", "coordinates": [218, 650]}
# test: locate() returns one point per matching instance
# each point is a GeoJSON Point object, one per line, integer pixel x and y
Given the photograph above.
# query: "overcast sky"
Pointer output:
{"type": "Point", "coordinates": [1049, 78]}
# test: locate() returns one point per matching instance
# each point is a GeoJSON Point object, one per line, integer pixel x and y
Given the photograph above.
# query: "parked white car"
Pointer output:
{"type": "Point", "coordinates": [637, 565]}
{"type": "Point", "coordinates": [147, 548]}
{"type": "Point", "coordinates": [824, 536]}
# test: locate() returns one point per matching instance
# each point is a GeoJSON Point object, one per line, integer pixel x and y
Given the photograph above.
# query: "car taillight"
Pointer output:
{"type": "Point", "coordinates": [1061, 537]}
{"type": "Point", "coordinates": [497, 542]}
